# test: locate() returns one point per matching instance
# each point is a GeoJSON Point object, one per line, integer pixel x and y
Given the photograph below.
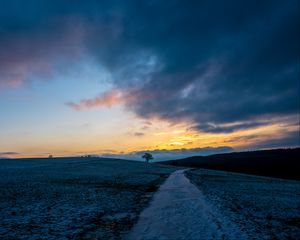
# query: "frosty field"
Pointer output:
{"type": "Point", "coordinates": [96, 198]}
{"type": "Point", "coordinates": [262, 207]}
{"type": "Point", "coordinates": [74, 198]}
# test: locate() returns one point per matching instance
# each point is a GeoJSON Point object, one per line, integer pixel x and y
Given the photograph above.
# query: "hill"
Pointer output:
{"type": "Point", "coordinates": [281, 163]}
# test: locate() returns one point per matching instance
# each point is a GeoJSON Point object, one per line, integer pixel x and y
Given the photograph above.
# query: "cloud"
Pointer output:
{"type": "Point", "coordinates": [162, 155]}
{"type": "Point", "coordinates": [139, 134]}
{"type": "Point", "coordinates": [106, 99]}
{"type": "Point", "coordinates": [228, 75]}
{"type": "Point", "coordinates": [233, 126]}
{"type": "Point", "coordinates": [7, 154]}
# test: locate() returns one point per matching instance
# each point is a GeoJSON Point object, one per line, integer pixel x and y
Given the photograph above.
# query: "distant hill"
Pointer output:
{"type": "Point", "coordinates": [281, 163]}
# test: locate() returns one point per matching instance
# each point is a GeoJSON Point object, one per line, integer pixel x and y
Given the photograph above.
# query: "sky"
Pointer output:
{"type": "Point", "coordinates": [176, 78]}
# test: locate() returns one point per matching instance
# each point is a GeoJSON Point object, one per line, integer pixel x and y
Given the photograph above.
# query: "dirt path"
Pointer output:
{"type": "Point", "coordinates": [179, 211]}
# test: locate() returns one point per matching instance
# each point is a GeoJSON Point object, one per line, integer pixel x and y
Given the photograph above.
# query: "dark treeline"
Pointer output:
{"type": "Point", "coordinates": [281, 163]}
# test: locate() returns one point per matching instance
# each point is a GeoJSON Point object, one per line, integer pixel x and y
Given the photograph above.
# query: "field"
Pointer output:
{"type": "Point", "coordinates": [262, 207]}
{"type": "Point", "coordinates": [97, 198]}
{"type": "Point", "coordinates": [74, 198]}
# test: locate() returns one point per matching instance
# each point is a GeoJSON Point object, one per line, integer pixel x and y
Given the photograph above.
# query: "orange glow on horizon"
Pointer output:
{"type": "Point", "coordinates": [157, 135]}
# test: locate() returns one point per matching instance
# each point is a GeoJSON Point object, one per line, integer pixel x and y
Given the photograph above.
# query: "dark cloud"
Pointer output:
{"type": "Point", "coordinates": [161, 155]}
{"type": "Point", "coordinates": [213, 128]}
{"type": "Point", "coordinates": [215, 63]}
{"type": "Point", "coordinates": [219, 67]}
{"type": "Point", "coordinates": [139, 134]}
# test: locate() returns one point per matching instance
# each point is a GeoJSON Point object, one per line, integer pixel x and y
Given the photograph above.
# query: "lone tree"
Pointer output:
{"type": "Point", "coordinates": [147, 157]}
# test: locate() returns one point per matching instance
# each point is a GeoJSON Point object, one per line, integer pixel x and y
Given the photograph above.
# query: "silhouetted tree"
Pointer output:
{"type": "Point", "coordinates": [147, 157]}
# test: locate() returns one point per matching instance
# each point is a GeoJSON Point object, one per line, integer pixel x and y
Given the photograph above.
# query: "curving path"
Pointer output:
{"type": "Point", "coordinates": [180, 211]}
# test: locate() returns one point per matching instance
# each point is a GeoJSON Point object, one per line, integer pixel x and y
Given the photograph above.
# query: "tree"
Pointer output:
{"type": "Point", "coordinates": [147, 157]}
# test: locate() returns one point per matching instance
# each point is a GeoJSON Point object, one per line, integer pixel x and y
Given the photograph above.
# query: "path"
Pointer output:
{"type": "Point", "coordinates": [179, 211]}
